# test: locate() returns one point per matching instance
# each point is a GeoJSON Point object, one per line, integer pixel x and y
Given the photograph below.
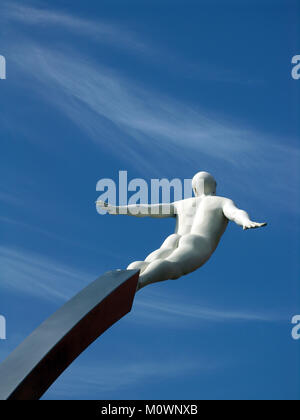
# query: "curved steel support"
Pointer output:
{"type": "Point", "coordinates": [31, 369]}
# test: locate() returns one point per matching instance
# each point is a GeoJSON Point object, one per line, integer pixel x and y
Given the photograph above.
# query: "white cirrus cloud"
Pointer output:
{"type": "Point", "coordinates": [99, 378]}
{"type": "Point", "coordinates": [28, 273]}
{"type": "Point", "coordinates": [100, 31]}
{"type": "Point", "coordinates": [36, 275]}
{"type": "Point", "coordinates": [144, 126]}
{"type": "Point", "coordinates": [183, 313]}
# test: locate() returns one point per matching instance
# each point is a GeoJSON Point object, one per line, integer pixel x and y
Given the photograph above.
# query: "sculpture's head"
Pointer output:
{"type": "Point", "coordinates": [204, 184]}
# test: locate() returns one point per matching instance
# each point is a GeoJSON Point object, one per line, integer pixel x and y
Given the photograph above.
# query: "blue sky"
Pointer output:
{"type": "Point", "coordinates": [160, 89]}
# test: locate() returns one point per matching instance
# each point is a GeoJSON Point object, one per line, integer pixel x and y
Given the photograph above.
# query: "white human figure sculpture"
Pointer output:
{"type": "Point", "coordinates": [201, 222]}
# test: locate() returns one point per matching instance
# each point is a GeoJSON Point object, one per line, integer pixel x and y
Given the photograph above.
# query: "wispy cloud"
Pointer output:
{"type": "Point", "coordinates": [85, 380]}
{"type": "Point", "coordinates": [182, 313]}
{"type": "Point", "coordinates": [119, 36]}
{"type": "Point", "coordinates": [81, 87]}
{"type": "Point", "coordinates": [34, 228]}
{"type": "Point", "coordinates": [116, 374]}
{"type": "Point", "coordinates": [143, 125]}
{"type": "Point", "coordinates": [110, 107]}
{"type": "Point", "coordinates": [35, 275]}
{"type": "Point", "coordinates": [100, 31]}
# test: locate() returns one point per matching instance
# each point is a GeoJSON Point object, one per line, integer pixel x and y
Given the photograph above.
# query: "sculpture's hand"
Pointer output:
{"type": "Point", "coordinates": [105, 206]}
{"type": "Point", "coordinates": [253, 225]}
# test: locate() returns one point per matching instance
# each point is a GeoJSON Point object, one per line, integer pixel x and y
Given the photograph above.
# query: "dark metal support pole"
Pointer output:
{"type": "Point", "coordinates": [31, 369]}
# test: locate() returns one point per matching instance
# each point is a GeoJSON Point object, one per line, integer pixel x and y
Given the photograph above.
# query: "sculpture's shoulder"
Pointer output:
{"type": "Point", "coordinates": [185, 205]}
{"type": "Point", "coordinates": [205, 202]}
{"type": "Point", "coordinates": [216, 201]}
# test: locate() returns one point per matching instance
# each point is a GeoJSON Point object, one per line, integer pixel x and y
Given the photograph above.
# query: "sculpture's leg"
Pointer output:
{"type": "Point", "coordinates": [138, 265]}
{"type": "Point", "coordinates": [158, 270]}
{"type": "Point", "coordinates": [163, 252]}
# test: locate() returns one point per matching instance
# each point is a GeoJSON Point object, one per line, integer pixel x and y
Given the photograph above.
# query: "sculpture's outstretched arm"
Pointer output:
{"type": "Point", "coordinates": [140, 210]}
{"type": "Point", "coordinates": [240, 217]}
